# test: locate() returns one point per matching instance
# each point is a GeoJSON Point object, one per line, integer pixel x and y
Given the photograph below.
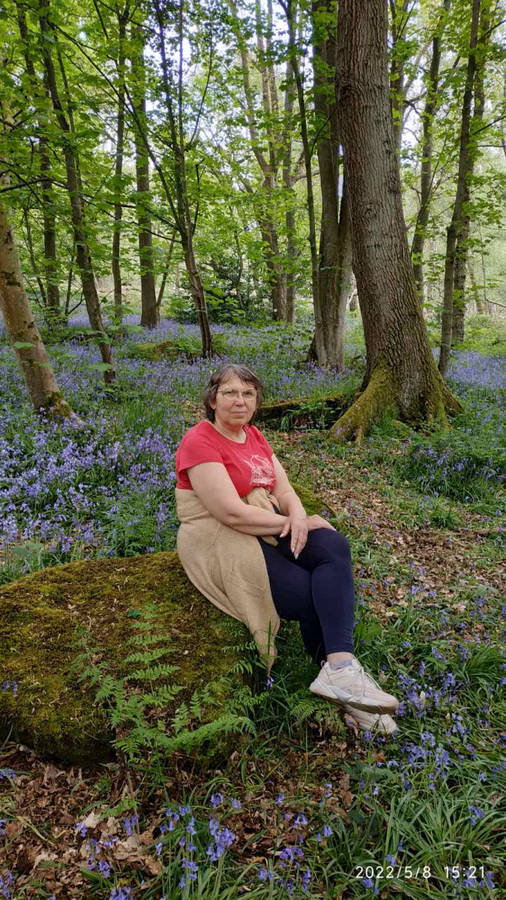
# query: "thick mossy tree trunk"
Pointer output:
{"type": "Point", "coordinates": [22, 330]}
{"type": "Point", "coordinates": [401, 375]}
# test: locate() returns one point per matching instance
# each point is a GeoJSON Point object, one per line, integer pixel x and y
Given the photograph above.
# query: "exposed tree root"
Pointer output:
{"type": "Point", "coordinates": [58, 408]}
{"type": "Point", "coordinates": [383, 396]}
{"type": "Point", "coordinates": [321, 409]}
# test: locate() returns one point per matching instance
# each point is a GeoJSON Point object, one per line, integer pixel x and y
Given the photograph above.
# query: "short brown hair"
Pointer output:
{"type": "Point", "coordinates": [223, 374]}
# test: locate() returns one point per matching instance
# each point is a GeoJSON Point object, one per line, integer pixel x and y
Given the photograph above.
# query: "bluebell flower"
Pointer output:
{"type": "Point", "coordinates": [129, 823]}
{"type": "Point", "coordinates": [300, 820]}
{"type": "Point", "coordinates": [475, 814]}
{"type": "Point", "coordinates": [104, 868]}
{"type": "Point", "coordinates": [121, 893]}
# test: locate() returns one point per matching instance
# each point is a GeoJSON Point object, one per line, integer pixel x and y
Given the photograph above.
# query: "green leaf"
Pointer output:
{"type": "Point", "coordinates": [23, 345]}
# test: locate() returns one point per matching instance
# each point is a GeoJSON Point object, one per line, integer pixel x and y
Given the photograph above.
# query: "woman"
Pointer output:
{"type": "Point", "coordinates": [247, 544]}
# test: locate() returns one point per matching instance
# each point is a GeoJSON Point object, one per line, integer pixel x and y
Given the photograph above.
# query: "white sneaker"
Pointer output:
{"type": "Point", "coordinates": [373, 722]}
{"type": "Point", "coordinates": [351, 686]}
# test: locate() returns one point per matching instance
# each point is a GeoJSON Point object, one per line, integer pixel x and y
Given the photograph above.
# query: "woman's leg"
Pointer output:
{"type": "Point", "coordinates": [326, 563]}
{"type": "Point", "coordinates": [316, 590]}
{"type": "Point", "coordinates": [327, 557]}
{"type": "Point", "coordinates": [292, 596]}
{"type": "Point", "coordinates": [319, 584]}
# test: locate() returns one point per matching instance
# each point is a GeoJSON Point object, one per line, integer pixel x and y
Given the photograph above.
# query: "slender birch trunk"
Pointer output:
{"type": "Point", "coordinates": [428, 116]}
{"type": "Point", "coordinates": [118, 165]}
{"type": "Point", "coordinates": [149, 314]}
{"type": "Point", "coordinates": [74, 186]}
{"type": "Point", "coordinates": [454, 229]}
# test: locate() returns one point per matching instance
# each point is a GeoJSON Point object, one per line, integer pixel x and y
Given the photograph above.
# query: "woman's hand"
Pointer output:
{"type": "Point", "coordinates": [314, 522]}
{"type": "Point", "coordinates": [297, 525]}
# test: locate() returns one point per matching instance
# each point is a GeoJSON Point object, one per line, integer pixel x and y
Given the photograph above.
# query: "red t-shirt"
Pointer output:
{"type": "Point", "coordinates": [249, 465]}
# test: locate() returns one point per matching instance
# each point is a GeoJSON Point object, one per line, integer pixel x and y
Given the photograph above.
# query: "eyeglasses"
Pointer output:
{"type": "Point", "coordinates": [249, 394]}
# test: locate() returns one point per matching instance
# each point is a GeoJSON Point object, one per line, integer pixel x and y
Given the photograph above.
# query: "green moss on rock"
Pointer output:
{"type": "Point", "coordinates": [53, 711]}
{"type": "Point", "coordinates": [173, 348]}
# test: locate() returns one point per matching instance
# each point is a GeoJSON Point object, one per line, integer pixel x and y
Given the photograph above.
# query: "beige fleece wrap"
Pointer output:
{"type": "Point", "coordinates": [228, 567]}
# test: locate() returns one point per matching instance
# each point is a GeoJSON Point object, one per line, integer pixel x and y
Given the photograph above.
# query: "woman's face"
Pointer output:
{"type": "Point", "coordinates": [235, 404]}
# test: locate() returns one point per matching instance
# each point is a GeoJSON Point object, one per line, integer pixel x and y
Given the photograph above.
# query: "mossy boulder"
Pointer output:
{"type": "Point", "coordinates": [156, 352]}
{"type": "Point", "coordinates": [171, 349]}
{"type": "Point", "coordinates": [52, 711]}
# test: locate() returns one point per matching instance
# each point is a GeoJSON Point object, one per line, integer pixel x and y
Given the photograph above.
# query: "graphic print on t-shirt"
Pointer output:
{"type": "Point", "coordinates": [261, 470]}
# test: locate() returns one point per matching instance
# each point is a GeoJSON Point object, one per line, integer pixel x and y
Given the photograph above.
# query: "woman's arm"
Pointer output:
{"type": "Point", "coordinates": [297, 522]}
{"type": "Point", "coordinates": [214, 487]}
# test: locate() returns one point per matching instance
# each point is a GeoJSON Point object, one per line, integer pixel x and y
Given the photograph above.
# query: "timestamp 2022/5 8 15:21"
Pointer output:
{"type": "Point", "coordinates": [451, 872]}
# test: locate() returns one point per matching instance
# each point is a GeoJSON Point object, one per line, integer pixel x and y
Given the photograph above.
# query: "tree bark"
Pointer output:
{"type": "Point", "coordinates": [150, 312]}
{"type": "Point", "coordinates": [306, 149]}
{"type": "Point", "coordinates": [52, 291]}
{"type": "Point", "coordinates": [291, 205]}
{"type": "Point", "coordinates": [461, 250]}
{"type": "Point", "coordinates": [334, 260]}
{"type": "Point", "coordinates": [399, 16]}
{"type": "Point", "coordinates": [118, 165]}
{"type": "Point", "coordinates": [401, 375]}
{"type": "Point", "coordinates": [181, 210]}
{"type": "Point", "coordinates": [457, 223]}
{"type": "Point", "coordinates": [269, 164]}
{"type": "Point", "coordinates": [428, 115]}
{"type": "Point", "coordinates": [70, 153]}
{"type": "Point", "coordinates": [24, 335]}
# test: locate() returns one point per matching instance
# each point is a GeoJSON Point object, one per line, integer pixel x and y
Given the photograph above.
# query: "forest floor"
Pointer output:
{"type": "Point", "coordinates": [309, 806]}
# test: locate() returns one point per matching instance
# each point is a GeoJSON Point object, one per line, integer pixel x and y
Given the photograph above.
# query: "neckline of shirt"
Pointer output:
{"type": "Point", "coordinates": [246, 429]}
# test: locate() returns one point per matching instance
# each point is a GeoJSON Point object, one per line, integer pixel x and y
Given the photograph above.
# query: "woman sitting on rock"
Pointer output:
{"type": "Point", "coordinates": [247, 544]}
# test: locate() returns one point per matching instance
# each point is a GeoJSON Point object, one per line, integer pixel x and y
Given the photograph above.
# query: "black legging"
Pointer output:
{"type": "Point", "coordinates": [316, 589]}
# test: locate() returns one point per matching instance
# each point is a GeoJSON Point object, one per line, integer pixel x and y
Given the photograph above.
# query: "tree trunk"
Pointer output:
{"type": "Point", "coordinates": [401, 376]}
{"type": "Point", "coordinates": [399, 15]}
{"type": "Point", "coordinates": [31, 354]}
{"type": "Point", "coordinates": [453, 232]}
{"type": "Point", "coordinates": [52, 291]}
{"type": "Point", "coordinates": [307, 153]}
{"type": "Point", "coordinates": [334, 261]}
{"type": "Point", "coordinates": [431, 104]}
{"type": "Point", "coordinates": [150, 314]}
{"type": "Point", "coordinates": [118, 166]}
{"type": "Point", "coordinates": [70, 153]}
{"type": "Point", "coordinates": [291, 204]}
{"type": "Point", "coordinates": [267, 219]}
{"type": "Point", "coordinates": [181, 209]}
{"type": "Point", "coordinates": [480, 305]}
{"type": "Point", "coordinates": [461, 250]}
{"type": "Point", "coordinates": [49, 218]}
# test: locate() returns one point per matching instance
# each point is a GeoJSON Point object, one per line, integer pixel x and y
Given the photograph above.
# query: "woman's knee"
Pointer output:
{"type": "Point", "coordinates": [331, 542]}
